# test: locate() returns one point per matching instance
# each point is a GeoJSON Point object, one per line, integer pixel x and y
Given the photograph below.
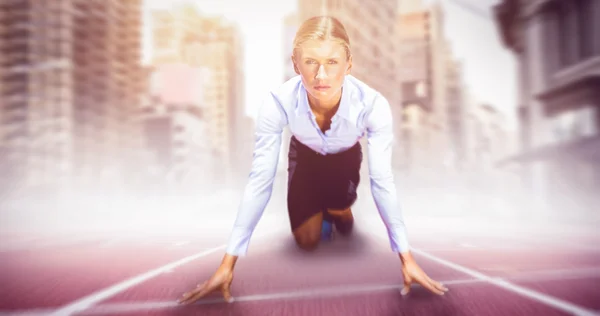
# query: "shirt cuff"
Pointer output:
{"type": "Point", "coordinates": [239, 242]}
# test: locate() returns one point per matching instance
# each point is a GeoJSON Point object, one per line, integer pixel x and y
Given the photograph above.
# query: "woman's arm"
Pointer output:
{"type": "Point", "coordinates": [269, 126]}
{"type": "Point", "coordinates": [380, 137]}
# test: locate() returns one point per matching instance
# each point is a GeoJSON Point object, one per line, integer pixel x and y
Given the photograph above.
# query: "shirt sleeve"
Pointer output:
{"type": "Point", "coordinates": [379, 123]}
{"type": "Point", "coordinates": [270, 122]}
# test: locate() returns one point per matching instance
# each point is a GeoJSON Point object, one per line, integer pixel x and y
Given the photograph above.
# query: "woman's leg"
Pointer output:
{"type": "Point", "coordinates": [343, 220]}
{"type": "Point", "coordinates": [303, 197]}
{"type": "Point", "coordinates": [308, 234]}
{"type": "Point", "coordinates": [342, 184]}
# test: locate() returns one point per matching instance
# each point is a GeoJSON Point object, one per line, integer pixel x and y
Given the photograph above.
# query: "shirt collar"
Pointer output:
{"type": "Point", "coordinates": [345, 103]}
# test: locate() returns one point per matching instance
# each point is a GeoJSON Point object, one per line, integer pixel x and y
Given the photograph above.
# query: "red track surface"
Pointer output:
{"type": "Point", "coordinates": [51, 277]}
{"type": "Point", "coordinates": [357, 276]}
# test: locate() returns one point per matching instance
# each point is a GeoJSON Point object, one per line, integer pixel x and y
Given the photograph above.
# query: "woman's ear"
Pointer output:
{"type": "Point", "coordinates": [348, 70]}
{"type": "Point", "coordinates": [295, 67]}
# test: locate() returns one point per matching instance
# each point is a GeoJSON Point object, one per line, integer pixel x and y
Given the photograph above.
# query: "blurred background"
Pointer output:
{"type": "Point", "coordinates": [124, 108]}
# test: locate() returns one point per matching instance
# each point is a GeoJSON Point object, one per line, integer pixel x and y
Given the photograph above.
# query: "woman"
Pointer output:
{"type": "Point", "coordinates": [327, 111]}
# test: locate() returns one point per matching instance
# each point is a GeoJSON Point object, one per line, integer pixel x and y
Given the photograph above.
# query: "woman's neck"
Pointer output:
{"type": "Point", "coordinates": [327, 107]}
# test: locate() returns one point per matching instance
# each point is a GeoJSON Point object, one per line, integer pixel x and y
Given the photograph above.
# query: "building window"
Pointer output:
{"type": "Point", "coordinates": [524, 123]}
{"type": "Point", "coordinates": [595, 20]}
{"type": "Point", "coordinates": [584, 9]}
{"type": "Point", "coordinates": [573, 125]}
{"type": "Point", "coordinates": [576, 31]}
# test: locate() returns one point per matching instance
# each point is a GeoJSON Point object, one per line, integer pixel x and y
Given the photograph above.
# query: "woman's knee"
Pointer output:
{"type": "Point", "coordinates": [308, 235]}
{"type": "Point", "coordinates": [308, 242]}
{"type": "Point", "coordinates": [343, 219]}
{"type": "Point", "coordinates": [341, 214]}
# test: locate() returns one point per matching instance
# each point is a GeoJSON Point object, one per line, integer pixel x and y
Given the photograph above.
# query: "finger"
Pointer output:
{"type": "Point", "coordinates": [405, 290]}
{"type": "Point", "coordinates": [185, 297]}
{"type": "Point", "coordinates": [437, 285]}
{"type": "Point", "coordinates": [196, 296]}
{"type": "Point", "coordinates": [198, 293]}
{"type": "Point", "coordinates": [188, 294]}
{"type": "Point", "coordinates": [189, 300]}
{"type": "Point", "coordinates": [428, 285]}
{"type": "Point", "coordinates": [422, 279]}
{"type": "Point", "coordinates": [227, 293]}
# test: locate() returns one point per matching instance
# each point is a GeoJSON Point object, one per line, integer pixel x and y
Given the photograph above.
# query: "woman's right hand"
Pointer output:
{"type": "Point", "coordinates": [220, 281]}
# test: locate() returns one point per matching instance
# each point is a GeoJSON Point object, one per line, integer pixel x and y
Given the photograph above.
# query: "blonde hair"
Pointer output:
{"type": "Point", "coordinates": [322, 28]}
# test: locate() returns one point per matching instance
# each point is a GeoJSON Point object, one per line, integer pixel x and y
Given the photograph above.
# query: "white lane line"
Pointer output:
{"type": "Point", "coordinates": [28, 312]}
{"type": "Point", "coordinates": [336, 291]}
{"type": "Point", "coordinates": [536, 296]}
{"type": "Point", "coordinates": [542, 241]}
{"type": "Point", "coordinates": [117, 308]}
{"type": "Point", "coordinates": [555, 275]}
{"type": "Point", "coordinates": [457, 249]}
{"type": "Point", "coordinates": [88, 301]}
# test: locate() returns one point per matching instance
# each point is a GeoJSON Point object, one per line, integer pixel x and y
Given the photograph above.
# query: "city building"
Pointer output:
{"type": "Point", "coordinates": [184, 35]}
{"type": "Point", "coordinates": [431, 89]}
{"type": "Point", "coordinates": [557, 47]}
{"type": "Point", "coordinates": [488, 141]}
{"type": "Point", "coordinates": [174, 129]}
{"type": "Point", "coordinates": [70, 85]}
{"type": "Point", "coordinates": [290, 27]}
{"type": "Point", "coordinates": [456, 114]}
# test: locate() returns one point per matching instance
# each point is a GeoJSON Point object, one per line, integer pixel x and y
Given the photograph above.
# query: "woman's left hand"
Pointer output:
{"type": "Point", "coordinates": [412, 273]}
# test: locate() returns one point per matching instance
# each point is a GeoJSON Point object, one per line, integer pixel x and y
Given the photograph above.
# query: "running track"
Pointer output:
{"type": "Point", "coordinates": [490, 270]}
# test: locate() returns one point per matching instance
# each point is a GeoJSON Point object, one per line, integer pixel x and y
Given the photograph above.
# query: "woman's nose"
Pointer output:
{"type": "Point", "coordinates": [321, 74]}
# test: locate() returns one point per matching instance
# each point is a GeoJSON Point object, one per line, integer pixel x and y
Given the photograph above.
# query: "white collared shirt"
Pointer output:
{"type": "Point", "coordinates": [362, 111]}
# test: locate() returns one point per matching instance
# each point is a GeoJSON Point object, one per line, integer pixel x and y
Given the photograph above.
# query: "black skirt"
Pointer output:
{"type": "Point", "coordinates": [319, 182]}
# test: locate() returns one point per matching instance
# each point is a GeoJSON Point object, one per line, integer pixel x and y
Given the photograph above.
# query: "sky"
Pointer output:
{"type": "Point", "coordinates": [489, 68]}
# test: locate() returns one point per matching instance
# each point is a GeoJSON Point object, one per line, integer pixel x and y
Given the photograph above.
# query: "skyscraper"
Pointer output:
{"type": "Point", "coordinates": [290, 26]}
{"type": "Point", "coordinates": [424, 76]}
{"type": "Point", "coordinates": [557, 48]}
{"type": "Point", "coordinates": [457, 112]}
{"type": "Point", "coordinates": [184, 35]}
{"type": "Point", "coordinates": [70, 83]}
{"type": "Point", "coordinates": [174, 127]}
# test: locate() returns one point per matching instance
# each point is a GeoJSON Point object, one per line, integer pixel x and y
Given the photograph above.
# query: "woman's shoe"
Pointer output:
{"type": "Point", "coordinates": [327, 230]}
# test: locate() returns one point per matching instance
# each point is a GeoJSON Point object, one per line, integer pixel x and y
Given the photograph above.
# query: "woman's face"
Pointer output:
{"type": "Point", "coordinates": [322, 64]}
